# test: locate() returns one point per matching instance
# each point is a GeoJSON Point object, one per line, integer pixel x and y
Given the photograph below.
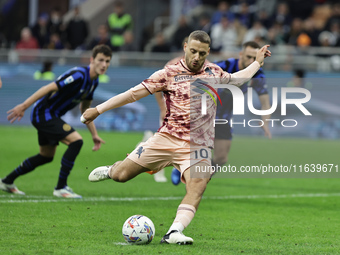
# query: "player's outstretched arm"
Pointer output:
{"type": "Point", "coordinates": [18, 111]}
{"type": "Point", "coordinates": [241, 77]}
{"type": "Point", "coordinates": [129, 96]}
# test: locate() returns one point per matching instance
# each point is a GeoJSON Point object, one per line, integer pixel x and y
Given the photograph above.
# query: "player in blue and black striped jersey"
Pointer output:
{"type": "Point", "coordinates": [223, 132]}
{"type": "Point", "coordinates": [75, 86]}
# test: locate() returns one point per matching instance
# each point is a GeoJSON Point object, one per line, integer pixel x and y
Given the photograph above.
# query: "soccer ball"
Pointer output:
{"type": "Point", "coordinates": [138, 229]}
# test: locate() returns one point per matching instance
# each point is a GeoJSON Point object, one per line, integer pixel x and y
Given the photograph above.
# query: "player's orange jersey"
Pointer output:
{"type": "Point", "coordinates": [184, 118]}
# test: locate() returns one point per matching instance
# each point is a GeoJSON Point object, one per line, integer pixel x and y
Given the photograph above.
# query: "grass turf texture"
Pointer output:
{"type": "Point", "coordinates": [229, 220]}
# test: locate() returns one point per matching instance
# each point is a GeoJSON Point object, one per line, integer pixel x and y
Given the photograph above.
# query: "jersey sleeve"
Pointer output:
{"type": "Point", "coordinates": [258, 83]}
{"type": "Point", "coordinates": [156, 82]}
{"type": "Point", "coordinates": [69, 78]}
{"type": "Point", "coordinates": [224, 76]}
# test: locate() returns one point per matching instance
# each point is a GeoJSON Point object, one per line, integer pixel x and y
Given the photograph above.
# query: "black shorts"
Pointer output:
{"type": "Point", "coordinates": [223, 131]}
{"type": "Point", "coordinates": [52, 131]}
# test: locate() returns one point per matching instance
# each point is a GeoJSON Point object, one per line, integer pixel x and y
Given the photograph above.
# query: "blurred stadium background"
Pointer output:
{"type": "Point", "coordinates": [304, 35]}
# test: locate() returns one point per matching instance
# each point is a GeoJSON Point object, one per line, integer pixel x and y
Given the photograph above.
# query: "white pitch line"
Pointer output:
{"type": "Point", "coordinates": [47, 199]}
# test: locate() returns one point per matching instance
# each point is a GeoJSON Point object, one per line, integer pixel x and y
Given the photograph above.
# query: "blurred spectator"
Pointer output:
{"type": "Point", "coordinates": [76, 31]}
{"type": "Point", "coordinates": [335, 30]}
{"type": "Point", "coordinates": [257, 30]}
{"type": "Point", "coordinates": [275, 35]}
{"type": "Point", "coordinates": [128, 41]}
{"type": "Point", "coordinates": [241, 32]}
{"type": "Point", "coordinates": [295, 31]}
{"type": "Point", "coordinates": [161, 45]}
{"type": "Point", "coordinates": [55, 42]}
{"type": "Point", "coordinates": [301, 8]}
{"type": "Point", "coordinates": [282, 16]}
{"type": "Point", "coordinates": [335, 16]}
{"type": "Point", "coordinates": [41, 31]}
{"type": "Point", "coordinates": [244, 15]}
{"type": "Point", "coordinates": [327, 39]}
{"type": "Point", "coordinates": [27, 41]}
{"type": "Point", "coordinates": [222, 10]}
{"type": "Point", "coordinates": [204, 23]}
{"type": "Point", "coordinates": [46, 73]}
{"type": "Point", "coordinates": [189, 5]}
{"type": "Point", "coordinates": [310, 31]}
{"type": "Point", "coordinates": [264, 18]}
{"type": "Point", "coordinates": [102, 37]}
{"type": "Point", "coordinates": [223, 36]}
{"type": "Point", "coordinates": [118, 23]}
{"type": "Point", "coordinates": [266, 6]}
{"type": "Point", "coordinates": [182, 31]}
{"type": "Point", "coordinates": [56, 24]}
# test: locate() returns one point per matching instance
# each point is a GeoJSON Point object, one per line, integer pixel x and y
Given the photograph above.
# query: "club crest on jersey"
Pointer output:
{"type": "Point", "coordinates": [69, 80]}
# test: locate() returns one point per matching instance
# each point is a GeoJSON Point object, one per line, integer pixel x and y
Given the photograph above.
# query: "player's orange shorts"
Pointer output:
{"type": "Point", "coordinates": [162, 150]}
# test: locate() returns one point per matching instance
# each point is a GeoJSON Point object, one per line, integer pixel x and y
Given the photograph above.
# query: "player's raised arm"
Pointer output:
{"type": "Point", "coordinates": [124, 98]}
{"type": "Point", "coordinates": [246, 74]}
{"type": "Point", "coordinates": [18, 111]}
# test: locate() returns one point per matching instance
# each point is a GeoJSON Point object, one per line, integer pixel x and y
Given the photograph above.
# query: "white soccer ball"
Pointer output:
{"type": "Point", "coordinates": [138, 229]}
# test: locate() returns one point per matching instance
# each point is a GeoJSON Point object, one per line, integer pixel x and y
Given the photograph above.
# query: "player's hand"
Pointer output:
{"type": "Point", "coordinates": [267, 131]}
{"type": "Point", "coordinates": [97, 142]}
{"type": "Point", "coordinates": [262, 54]}
{"type": "Point", "coordinates": [89, 115]}
{"type": "Point", "coordinates": [16, 113]}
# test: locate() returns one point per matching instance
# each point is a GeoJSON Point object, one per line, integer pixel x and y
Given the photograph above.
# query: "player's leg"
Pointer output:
{"type": "Point", "coordinates": [222, 144]}
{"type": "Point", "coordinates": [160, 175]}
{"type": "Point", "coordinates": [195, 187]}
{"type": "Point", "coordinates": [74, 144]}
{"type": "Point", "coordinates": [148, 156]}
{"type": "Point", "coordinates": [120, 171]}
{"type": "Point", "coordinates": [44, 156]}
{"type": "Point", "coordinates": [221, 151]}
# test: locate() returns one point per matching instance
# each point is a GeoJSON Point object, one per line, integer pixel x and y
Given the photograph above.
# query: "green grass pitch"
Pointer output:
{"type": "Point", "coordinates": [244, 215]}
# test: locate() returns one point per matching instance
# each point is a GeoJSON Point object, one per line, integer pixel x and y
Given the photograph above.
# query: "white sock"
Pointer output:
{"type": "Point", "coordinates": [185, 214]}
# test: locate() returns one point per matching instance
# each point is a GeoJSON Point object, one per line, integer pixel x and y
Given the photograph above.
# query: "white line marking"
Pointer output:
{"type": "Point", "coordinates": [47, 199]}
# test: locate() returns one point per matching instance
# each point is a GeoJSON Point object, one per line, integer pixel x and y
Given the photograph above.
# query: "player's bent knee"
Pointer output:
{"type": "Point", "coordinates": [76, 146]}
{"type": "Point", "coordinates": [221, 160]}
{"type": "Point", "coordinates": [120, 176]}
{"type": "Point", "coordinates": [43, 159]}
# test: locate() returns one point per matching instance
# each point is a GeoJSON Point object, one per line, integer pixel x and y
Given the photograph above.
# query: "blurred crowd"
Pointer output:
{"type": "Point", "coordinates": [229, 23]}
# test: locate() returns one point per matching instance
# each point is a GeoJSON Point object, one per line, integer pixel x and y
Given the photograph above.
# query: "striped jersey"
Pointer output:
{"type": "Point", "coordinates": [183, 97]}
{"type": "Point", "coordinates": [258, 83]}
{"type": "Point", "coordinates": [74, 86]}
